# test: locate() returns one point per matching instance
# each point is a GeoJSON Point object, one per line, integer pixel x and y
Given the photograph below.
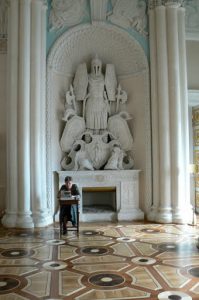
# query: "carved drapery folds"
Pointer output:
{"type": "Point", "coordinates": [66, 13]}
{"type": "Point", "coordinates": [129, 14]}
{"type": "Point", "coordinates": [96, 135]}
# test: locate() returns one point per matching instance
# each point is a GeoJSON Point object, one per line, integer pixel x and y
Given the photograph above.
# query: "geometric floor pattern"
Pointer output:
{"type": "Point", "coordinates": [113, 261]}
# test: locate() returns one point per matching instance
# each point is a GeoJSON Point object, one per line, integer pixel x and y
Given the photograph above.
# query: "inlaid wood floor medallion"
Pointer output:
{"type": "Point", "coordinates": [105, 261]}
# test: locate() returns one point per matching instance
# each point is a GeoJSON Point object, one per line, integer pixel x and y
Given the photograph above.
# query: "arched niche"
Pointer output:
{"type": "Point", "coordinates": [115, 46]}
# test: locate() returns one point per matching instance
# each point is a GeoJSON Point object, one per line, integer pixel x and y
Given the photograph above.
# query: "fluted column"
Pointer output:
{"type": "Point", "coordinates": [45, 204]}
{"type": "Point", "coordinates": [38, 198]}
{"type": "Point", "coordinates": [169, 72]}
{"type": "Point", "coordinates": [184, 102]}
{"type": "Point", "coordinates": [24, 214]}
{"type": "Point", "coordinates": [154, 113]}
{"type": "Point", "coordinates": [177, 191]}
{"type": "Point", "coordinates": [9, 218]}
{"type": "Point", "coordinates": [164, 210]}
{"type": "Point", "coordinates": [35, 119]}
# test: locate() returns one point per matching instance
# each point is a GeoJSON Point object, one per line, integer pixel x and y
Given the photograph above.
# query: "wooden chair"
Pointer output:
{"type": "Point", "coordinates": [63, 223]}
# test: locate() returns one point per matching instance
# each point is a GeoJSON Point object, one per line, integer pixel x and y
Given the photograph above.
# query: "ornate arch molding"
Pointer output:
{"type": "Point", "coordinates": [113, 45]}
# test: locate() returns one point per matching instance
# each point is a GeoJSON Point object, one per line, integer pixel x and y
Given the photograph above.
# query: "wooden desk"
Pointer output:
{"type": "Point", "coordinates": [66, 202]}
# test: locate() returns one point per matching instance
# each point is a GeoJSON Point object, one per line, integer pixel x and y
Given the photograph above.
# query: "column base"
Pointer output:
{"type": "Point", "coordinates": [167, 215]}
{"type": "Point", "coordinates": [160, 215]}
{"type": "Point", "coordinates": [164, 215]}
{"type": "Point", "coordinates": [24, 220]}
{"type": "Point", "coordinates": [151, 215]}
{"type": "Point", "coordinates": [42, 219]}
{"type": "Point", "coordinates": [183, 215]}
{"type": "Point", "coordinates": [9, 219]}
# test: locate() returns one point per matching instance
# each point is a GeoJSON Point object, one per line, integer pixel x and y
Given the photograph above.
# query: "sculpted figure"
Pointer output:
{"type": "Point", "coordinates": [116, 159]}
{"type": "Point", "coordinates": [66, 13]}
{"type": "Point", "coordinates": [96, 135]}
{"type": "Point", "coordinates": [129, 14]}
{"type": "Point", "coordinates": [96, 90]}
{"type": "Point", "coordinates": [97, 107]}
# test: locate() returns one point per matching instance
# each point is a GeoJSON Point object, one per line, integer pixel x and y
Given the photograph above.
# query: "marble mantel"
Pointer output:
{"type": "Point", "coordinates": [126, 183]}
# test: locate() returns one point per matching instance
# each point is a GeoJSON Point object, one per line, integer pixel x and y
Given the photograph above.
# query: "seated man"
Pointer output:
{"type": "Point", "coordinates": [68, 211]}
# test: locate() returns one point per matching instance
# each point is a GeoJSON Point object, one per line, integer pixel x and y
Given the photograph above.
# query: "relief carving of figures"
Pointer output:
{"type": "Point", "coordinates": [192, 15]}
{"type": "Point", "coordinates": [66, 13]}
{"type": "Point", "coordinates": [96, 135]}
{"type": "Point", "coordinates": [3, 25]}
{"type": "Point", "coordinates": [129, 14]}
{"type": "Point", "coordinates": [3, 17]}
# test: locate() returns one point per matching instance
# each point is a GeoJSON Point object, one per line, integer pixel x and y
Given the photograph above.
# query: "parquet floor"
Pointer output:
{"type": "Point", "coordinates": [106, 261]}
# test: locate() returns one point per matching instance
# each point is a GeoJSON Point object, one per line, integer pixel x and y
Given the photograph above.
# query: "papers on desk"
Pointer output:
{"type": "Point", "coordinates": [66, 195]}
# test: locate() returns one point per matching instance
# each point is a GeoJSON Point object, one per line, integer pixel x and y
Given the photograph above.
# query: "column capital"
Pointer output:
{"type": "Point", "coordinates": [171, 3]}
{"type": "Point", "coordinates": [25, 2]}
{"type": "Point", "coordinates": [174, 3]}
{"type": "Point", "coordinates": [44, 4]}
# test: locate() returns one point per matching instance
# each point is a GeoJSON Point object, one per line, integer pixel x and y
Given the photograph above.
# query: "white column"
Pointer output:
{"type": "Point", "coordinates": [37, 180]}
{"type": "Point", "coordinates": [177, 160]}
{"type": "Point", "coordinates": [164, 211]}
{"type": "Point", "coordinates": [24, 219]}
{"type": "Point", "coordinates": [184, 107]}
{"type": "Point", "coordinates": [9, 218]}
{"type": "Point", "coordinates": [35, 79]}
{"type": "Point", "coordinates": [154, 113]}
{"type": "Point", "coordinates": [45, 205]}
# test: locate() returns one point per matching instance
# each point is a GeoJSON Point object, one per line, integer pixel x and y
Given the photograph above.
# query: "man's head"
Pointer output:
{"type": "Point", "coordinates": [68, 182]}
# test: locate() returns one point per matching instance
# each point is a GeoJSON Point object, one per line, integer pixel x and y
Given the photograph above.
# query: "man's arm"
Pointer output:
{"type": "Point", "coordinates": [76, 191]}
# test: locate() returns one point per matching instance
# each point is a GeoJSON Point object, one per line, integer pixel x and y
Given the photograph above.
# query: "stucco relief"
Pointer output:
{"type": "Point", "coordinates": [3, 25]}
{"type": "Point", "coordinates": [129, 14]}
{"type": "Point", "coordinates": [66, 13]}
{"type": "Point", "coordinates": [96, 134]}
{"type": "Point", "coordinates": [192, 15]}
{"type": "Point", "coordinates": [91, 39]}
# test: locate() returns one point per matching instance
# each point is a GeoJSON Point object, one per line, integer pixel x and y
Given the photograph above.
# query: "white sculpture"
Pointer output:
{"type": "Point", "coordinates": [66, 13]}
{"type": "Point", "coordinates": [115, 161]}
{"type": "Point", "coordinates": [98, 138]}
{"type": "Point", "coordinates": [3, 17]}
{"type": "Point", "coordinates": [192, 15]}
{"type": "Point", "coordinates": [129, 14]}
